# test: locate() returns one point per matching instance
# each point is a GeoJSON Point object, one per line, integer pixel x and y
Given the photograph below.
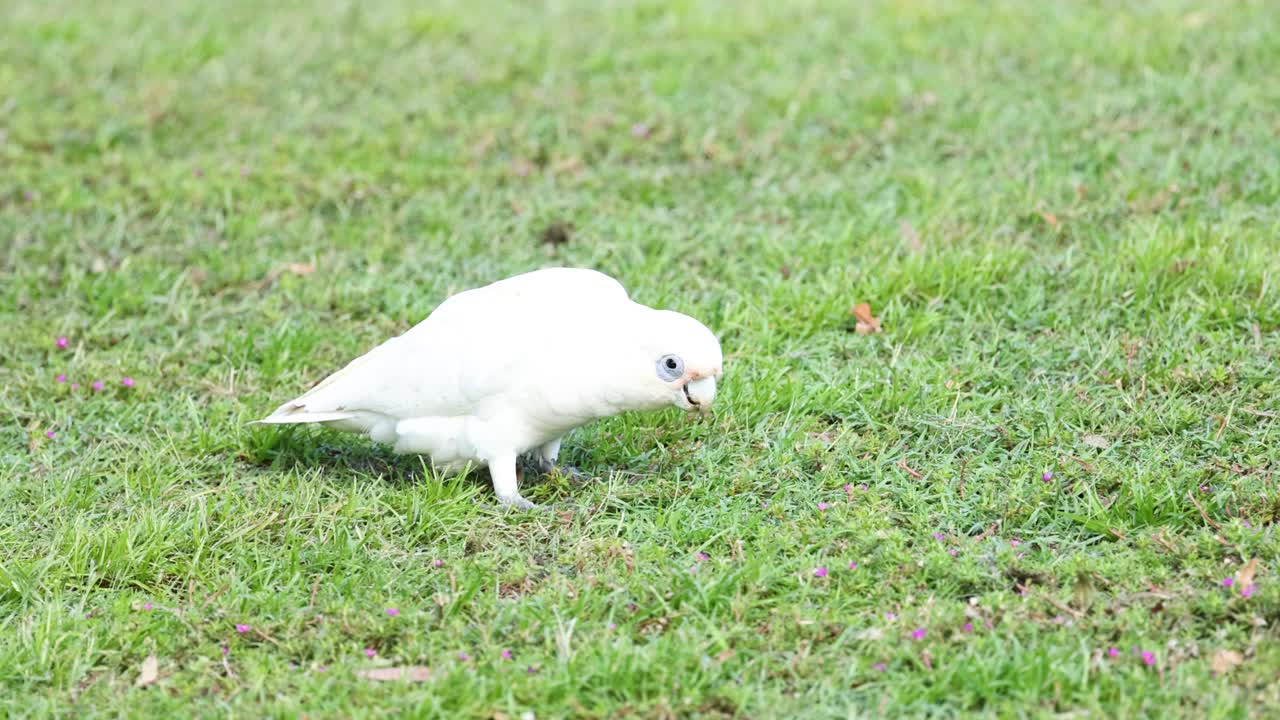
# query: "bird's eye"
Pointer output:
{"type": "Point", "coordinates": [670, 367]}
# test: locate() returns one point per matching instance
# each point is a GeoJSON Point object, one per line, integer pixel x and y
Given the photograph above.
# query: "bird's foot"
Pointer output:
{"type": "Point", "coordinates": [570, 472]}
{"type": "Point", "coordinates": [519, 503]}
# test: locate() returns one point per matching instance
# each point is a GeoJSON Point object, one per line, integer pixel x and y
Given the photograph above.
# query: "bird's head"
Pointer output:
{"type": "Point", "coordinates": [676, 362]}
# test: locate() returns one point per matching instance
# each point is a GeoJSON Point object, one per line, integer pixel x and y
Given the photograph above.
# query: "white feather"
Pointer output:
{"type": "Point", "coordinates": [502, 369]}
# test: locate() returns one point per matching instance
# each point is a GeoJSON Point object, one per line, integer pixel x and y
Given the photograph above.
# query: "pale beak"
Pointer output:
{"type": "Point", "coordinates": [701, 392]}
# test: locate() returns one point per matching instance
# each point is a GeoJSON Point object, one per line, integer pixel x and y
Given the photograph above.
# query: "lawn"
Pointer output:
{"type": "Point", "coordinates": [1036, 491]}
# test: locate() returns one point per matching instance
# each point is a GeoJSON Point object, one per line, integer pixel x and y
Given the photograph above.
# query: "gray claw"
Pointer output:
{"type": "Point", "coordinates": [519, 503]}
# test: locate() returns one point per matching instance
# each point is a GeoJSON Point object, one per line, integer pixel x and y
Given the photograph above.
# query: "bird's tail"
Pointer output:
{"type": "Point", "coordinates": [293, 412]}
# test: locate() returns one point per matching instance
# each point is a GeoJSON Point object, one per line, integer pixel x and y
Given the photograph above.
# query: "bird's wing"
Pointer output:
{"type": "Point", "coordinates": [472, 348]}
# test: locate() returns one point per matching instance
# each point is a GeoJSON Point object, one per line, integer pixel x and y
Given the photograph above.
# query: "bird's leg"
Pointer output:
{"type": "Point", "coordinates": [503, 472]}
{"type": "Point", "coordinates": [546, 456]}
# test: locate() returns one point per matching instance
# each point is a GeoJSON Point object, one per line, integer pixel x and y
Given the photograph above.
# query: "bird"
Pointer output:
{"type": "Point", "coordinates": [505, 371]}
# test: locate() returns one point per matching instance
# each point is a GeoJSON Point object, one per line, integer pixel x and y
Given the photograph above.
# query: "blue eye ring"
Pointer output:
{"type": "Point", "coordinates": [670, 367]}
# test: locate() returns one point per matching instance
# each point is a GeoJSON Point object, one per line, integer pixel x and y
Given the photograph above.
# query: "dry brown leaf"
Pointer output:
{"type": "Point", "coordinates": [1245, 577]}
{"type": "Point", "coordinates": [1224, 661]}
{"type": "Point", "coordinates": [1050, 219]}
{"type": "Point", "coordinates": [413, 673]}
{"type": "Point", "coordinates": [300, 268]}
{"type": "Point", "coordinates": [1096, 441]}
{"type": "Point", "coordinates": [150, 671]}
{"type": "Point", "coordinates": [867, 323]}
{"type": "Point", "coordinates": [725, 654]}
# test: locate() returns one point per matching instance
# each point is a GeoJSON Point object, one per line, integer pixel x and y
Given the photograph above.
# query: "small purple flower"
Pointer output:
{"type": "Point", "coordinates": [464, 657]}
{"type": "Point", "coordinates": [820, 572]}
{"type": "Point", "coordinates": [822, 507]}
{"type": "Point", "coordinates": [890, 616]}
{"type": "Point", "coordinates": [879, 666]}
{"type": "Point", "coordinates": [506, 654]}
{"type": "Point", "coordinates": [62, 343]}
{"type": "Point", "coordinates": [1249, 590]}
{"type": "Point", "coordinates": [640, 130]}
{"type": "Point", "coordinates": [702, 557]}
{"type": "Point", "coordinates": [848, 487]}
{"type": "Point", "coordinates": [61, 378]}
{"type": "Point", "coordinates": [1015, 543]}
{"type": "Point", "coordinates": [97, 386]}
{"type": "Point", "coordinates": [146, 606]}
{"type": "Point", "coordinates": [75, 386]}
{"type": "Point", "coordinates": [918, 633]}
{"type": "Point", "coordinates": [438, 562]}
{"type": "Point", "coordinates": [1205, 489]}
{"type": "Point", "coordinates": [1113, 652]}
{"type": "Point", "coordinates": [370, 652]}
{"type": "Point", "coordinates": [1246, 523]}
{"type": "Point", "coordinates": [49, 434]}
{"type": "Point", "coordinates": [392, 612]}
{"type": "Point", "coordinates": [1148, 658]}
{"type": "Point", "coordinates": [242, 628]}
{"type": "Point", "coordinates": [127, 382]}
{"type": "Point", "coordinates": [764, 504]}
{"type": "Point", "coordinates": [853, 565]}
{"type": "Point", "coordinates": [225, 651]}
{"type": "Point", "coordinates": [863, 487]}
{"type": "Point", "coordinates": [1228, 582]}
{"type": "Point", "coordinates": [531, 670]}
{"type": "Point", "coordinates": [968, 627]}
{"type": "Point", "coordinates": [953, 552]}
{"type": "Point", "coordinates": [1047, 476]}
{"type": "Point", "coordinates": [939, 536]}
{"type": "Point", "coordinates": [613, 626]}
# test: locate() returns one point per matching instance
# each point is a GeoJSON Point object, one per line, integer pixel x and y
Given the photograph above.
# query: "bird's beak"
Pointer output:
{"type": "Point", "coordinates": [700, 393]}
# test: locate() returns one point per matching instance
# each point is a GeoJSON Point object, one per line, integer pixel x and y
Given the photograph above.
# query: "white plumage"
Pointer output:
{"type": "Point", "coordinates": [510, 367]}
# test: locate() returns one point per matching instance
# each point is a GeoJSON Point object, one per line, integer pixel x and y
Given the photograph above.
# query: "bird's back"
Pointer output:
{"type": "Point", "coordinates": [465, 354]}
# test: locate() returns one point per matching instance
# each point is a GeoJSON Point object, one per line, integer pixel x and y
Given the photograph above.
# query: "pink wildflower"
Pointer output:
{"type": "Point", "coordinates": [822, 507]}
{"type": "Point", "coordinates": [879, 666]}
{"type": "Point", "coordinates": [1148, 658]}
{"type": "Point", "coordinates": [61, 378]}
{"type": "Point", "coordinates": [918, 633]}
{"type": "Point", "coordinates": [968, 627]}
{"type": "Point", "coordinates": [1249, 590]}
{"type": "Point", "coordinates": [62, 343]}
{"type": "Point", "coordinates": [49, 434]}
{"type": "Point", "coordinates": [1228, 582]}
{"type": "Point", "coordinates": [820, 572]}
{"type": "Point", "coordinates": [127, 382]}
{"type": "Point", "coordinates": [853, 565]}
{"type": "Point", "coordinates": [242, 628]}
{"type": "Point", "coordinates": [392, 612]}
{"type": "Point", "coordinates": [97, 386]}
{"type": "Point", "coordinates": [370, 652]}
{"type": "Point", "coordinates": [506, 654]}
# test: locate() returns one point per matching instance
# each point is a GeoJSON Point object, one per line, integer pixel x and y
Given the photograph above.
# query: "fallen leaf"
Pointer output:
{"type": "Point", "coordinates": [150, 671]}
{"type": "Point", "coordinates": [725, 654]}
{"type": "Point", "coordinates": [414, 673]}
{"type": "Point", "coordinates": [1096, 441]}
{"type": "Point", "coordinates": [300, 268]}
{"type": "Point", "coordinates": [1224, 661]}
{"type": "Point", "coordinates": [1050, 219]}
{"type": "Point", "coordinates": [867, 323]}
{"type": "Point", "coordinates": [1245, 577]}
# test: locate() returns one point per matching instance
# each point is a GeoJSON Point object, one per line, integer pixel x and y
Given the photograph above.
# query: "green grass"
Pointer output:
{"type": "Point", "coordinates": [1066, 216]}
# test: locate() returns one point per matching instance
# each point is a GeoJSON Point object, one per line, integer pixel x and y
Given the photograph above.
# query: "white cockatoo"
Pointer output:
{"type": "Point", "coordinates": [509, 368]}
